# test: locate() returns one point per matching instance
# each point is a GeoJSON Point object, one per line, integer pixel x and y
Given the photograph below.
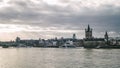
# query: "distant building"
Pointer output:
{"type": "Point", "coordinates": [8, 43]}
{"type": "Point", "coordinates": [74, 36]}
{"type": "Point", "coordinates": [106, 36]}
{"type": "Point", "coordinates": [27, 42]}
{"type": "Point", "coordinates": [93, 43]}
{"type": "Point", "coordinates": [17, 39]}
{"type": "Point", "coordinates": [88, 33]}
{"type": "Point", "coordinates": [90, 42]}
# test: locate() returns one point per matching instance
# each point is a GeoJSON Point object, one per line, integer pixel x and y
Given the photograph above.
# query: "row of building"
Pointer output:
{"type": "Point", "coordinates": [88, 42]}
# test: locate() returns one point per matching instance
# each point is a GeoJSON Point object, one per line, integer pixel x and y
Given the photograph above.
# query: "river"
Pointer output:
{"type": "Point", "coordinates": [59, 58]}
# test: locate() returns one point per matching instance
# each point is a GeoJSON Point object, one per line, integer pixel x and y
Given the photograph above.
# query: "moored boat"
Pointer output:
{"type": "Point", "coordinates": [68, 44]}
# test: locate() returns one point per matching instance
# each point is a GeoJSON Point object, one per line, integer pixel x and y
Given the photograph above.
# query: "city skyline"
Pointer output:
{"type": "Point", "coordinates": [58, 18]}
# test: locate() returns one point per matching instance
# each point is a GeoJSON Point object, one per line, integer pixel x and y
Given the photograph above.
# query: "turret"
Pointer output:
{"type": "Point", "coordinates": [106, 36]}
{"type": "Point", "coordinates": [17, 39]}
{"type": "Point", "coordinates": [74, 36]}
{"type": "Point", "coordinates": [88, 33]}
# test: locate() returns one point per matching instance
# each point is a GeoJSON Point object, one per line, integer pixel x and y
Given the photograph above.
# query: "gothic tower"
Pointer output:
{"type": "Point", "coordinates": [88, 33]}
{"type": "Point", "coordinates": [106, 37]}
{"type": "Point", "coordinates": [17, 39]}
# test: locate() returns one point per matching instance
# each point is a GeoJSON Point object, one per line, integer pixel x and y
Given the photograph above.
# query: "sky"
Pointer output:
{"type": "Point", "coordinates": [34, 19]}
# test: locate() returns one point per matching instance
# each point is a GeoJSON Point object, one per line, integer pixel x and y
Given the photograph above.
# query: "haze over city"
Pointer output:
{"type": "Point", "coordinates": [35, 19]}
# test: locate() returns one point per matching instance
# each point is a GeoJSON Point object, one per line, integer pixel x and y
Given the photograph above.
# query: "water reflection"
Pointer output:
{"type": "Point", "coordinates": [59, 58]}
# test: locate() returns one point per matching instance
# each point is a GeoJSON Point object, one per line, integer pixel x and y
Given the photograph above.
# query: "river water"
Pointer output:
{"type": "Point", "coordinates": [59, 58]}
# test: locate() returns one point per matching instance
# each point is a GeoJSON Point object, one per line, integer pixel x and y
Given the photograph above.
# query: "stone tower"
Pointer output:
{"type": "Point", "coordinates": [88, 33]}
{"type": "Point", "coordinates": [17, 39]}
{"type": "Point", "coordinates": [106, 36]}
{"type": "Point", "coordinates": [74, 36]}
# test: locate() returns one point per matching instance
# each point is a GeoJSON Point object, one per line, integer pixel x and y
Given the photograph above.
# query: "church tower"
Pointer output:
{"type": "Point", "coordinates": [88, 33]}
{"type": "Point", "coordinates": [17, 39]}
{"type": "Point", "coordinates": [74, 36]}
{"type": "Point", "coordinates": [106, 36]}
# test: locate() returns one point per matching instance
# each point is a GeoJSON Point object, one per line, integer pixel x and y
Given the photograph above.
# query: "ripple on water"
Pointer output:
{"type": "Point", "coordinates": [59, 58]}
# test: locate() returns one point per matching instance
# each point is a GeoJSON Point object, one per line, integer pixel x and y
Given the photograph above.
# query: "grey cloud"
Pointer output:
{"type": "Point", "coordinates": [74, 16]}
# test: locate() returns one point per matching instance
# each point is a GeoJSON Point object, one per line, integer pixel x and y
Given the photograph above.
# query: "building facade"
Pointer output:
{"type": "Point", "coordinates": [88, 33]}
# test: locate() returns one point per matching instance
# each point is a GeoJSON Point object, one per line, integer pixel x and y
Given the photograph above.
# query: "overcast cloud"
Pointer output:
{"type": "Point", "coordinates": [55, 18]}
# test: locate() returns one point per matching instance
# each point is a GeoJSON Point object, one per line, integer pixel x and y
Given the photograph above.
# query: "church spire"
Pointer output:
{"type": "Point", "coordinates": [106, 36]}
{"type": "Point", "coordinates": [88, 27]}
{"type": "Point", "coordinates": [106, 33]}
{"type": "Point", "coordinates": [88, 32]}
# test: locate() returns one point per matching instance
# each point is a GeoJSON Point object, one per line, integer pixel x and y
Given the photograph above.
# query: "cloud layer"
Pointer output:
{"type": "Point", "coordinates": [50, 18]}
